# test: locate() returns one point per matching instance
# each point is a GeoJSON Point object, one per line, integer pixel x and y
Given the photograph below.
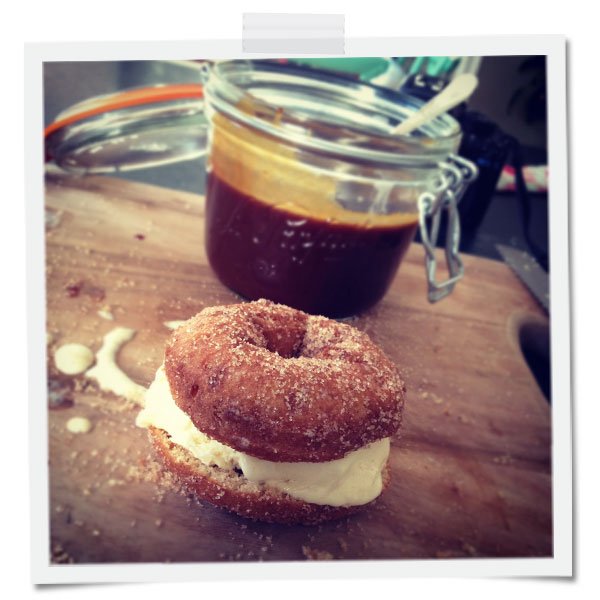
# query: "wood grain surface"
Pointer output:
{"type": "Point", "coordinates": [471, 470]}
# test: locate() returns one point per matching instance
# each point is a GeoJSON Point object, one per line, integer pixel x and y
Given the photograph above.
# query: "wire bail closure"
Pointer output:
{"type": "Point", "coordinates": [456, 175]}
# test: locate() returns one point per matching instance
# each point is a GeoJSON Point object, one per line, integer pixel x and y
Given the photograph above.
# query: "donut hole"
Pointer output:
{"type": "Point", "coordinates": [285, 350]}
{"type": "Point", "coordinates": [282, 338]}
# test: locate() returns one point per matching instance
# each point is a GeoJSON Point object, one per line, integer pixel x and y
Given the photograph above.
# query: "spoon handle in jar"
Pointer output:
{"type": "Point", "coordinates": [459, 89]}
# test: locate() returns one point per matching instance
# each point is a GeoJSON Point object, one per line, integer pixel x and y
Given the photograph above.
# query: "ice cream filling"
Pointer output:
{"type": "Point", "coordinates": [352, 480]}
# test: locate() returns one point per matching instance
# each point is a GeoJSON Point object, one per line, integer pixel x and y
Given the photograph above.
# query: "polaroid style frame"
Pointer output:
{"type": "Point", "coordinates": [554, 47]}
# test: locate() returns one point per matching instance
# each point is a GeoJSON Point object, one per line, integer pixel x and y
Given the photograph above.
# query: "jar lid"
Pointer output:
{"type": "Point", "coordinates": [328, 113]}
{"type": "Point", "coordinates": [132, 129]}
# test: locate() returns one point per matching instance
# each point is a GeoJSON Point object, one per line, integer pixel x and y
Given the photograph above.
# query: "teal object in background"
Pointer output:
{"type": "Point", "coordinates": [434, 66]}
{"type": "Point", "coordinates": [391, 72]}
{"type": "Point", "coordinates": [366, 69]}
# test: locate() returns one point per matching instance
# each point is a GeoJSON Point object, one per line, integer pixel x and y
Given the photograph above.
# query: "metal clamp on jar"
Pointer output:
{"type": "Point", "coordinates": [311, 199]}
{"type": "Point", "coordinates": [456, 175]}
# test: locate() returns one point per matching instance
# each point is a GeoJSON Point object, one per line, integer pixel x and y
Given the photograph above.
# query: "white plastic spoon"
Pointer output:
{"type": "Point", "coordinates": [458, 90]}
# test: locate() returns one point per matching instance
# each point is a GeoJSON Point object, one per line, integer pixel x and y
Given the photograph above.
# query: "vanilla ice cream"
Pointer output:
{"type": "Point", "coordinates": [352, 480]}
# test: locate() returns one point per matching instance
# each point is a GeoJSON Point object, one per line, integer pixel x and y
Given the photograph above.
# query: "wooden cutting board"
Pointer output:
{"type": "Point", "coordinates": [470, 467]}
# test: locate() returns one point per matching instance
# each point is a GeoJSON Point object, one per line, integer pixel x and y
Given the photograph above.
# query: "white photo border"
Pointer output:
{"type": "Point", "coordinates": [42, 572]}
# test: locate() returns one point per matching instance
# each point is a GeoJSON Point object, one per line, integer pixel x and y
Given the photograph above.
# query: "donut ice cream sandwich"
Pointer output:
{"type": "Point", "coordinates": [274, 414]}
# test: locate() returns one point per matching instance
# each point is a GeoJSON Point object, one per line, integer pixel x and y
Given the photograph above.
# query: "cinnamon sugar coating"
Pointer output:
{"type": "Point", "coordinates": [281, 385]}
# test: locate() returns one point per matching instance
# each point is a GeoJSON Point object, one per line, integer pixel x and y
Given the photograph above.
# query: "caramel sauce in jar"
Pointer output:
{"type": "Point", "coordinates": [275, 230]}
{"type": "Point", "coordinates": [322, 267]}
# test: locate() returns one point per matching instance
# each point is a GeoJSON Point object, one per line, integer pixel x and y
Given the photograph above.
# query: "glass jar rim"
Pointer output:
{"type": "Point", "coordinates": [327, 112]}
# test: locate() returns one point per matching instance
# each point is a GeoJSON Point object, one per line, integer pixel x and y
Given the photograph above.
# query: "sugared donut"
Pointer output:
{"type": "Point", "coordinates": [281, 385]}
{"type": "Point", "coordinates": [275, 414]}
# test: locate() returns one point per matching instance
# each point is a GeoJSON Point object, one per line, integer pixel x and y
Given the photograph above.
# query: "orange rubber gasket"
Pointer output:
{"type": "Point", "coordinates": [137, 97]}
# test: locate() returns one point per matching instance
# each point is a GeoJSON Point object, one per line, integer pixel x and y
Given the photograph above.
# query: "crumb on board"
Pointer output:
{"type": "Point", "coordinates": [469, 549]}
{"type": "Point", "coordinates": [505, 459]}
{"type": "Point", "coordinates": [316, 554]}
{"type": "Point", "coordinates": [59, 555]}
{"type": "Point", "coordinates": [343, 544]}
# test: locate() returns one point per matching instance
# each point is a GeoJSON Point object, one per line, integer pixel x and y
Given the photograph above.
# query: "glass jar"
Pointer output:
{"type": "Point", "coordinates": [311, 200]}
